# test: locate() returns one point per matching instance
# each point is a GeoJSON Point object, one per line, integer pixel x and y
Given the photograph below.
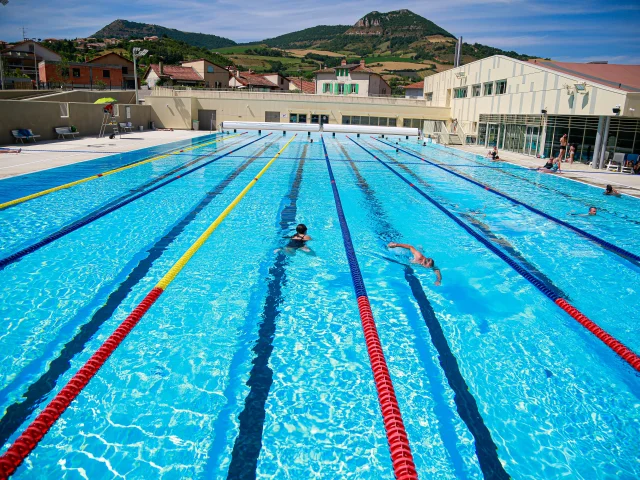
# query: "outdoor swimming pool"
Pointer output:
{"type": "Point", "coordinates": [254, 362]}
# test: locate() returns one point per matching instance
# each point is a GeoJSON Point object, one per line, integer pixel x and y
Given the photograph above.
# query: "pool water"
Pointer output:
{"type": "Point", "coordinates": [253, 363]}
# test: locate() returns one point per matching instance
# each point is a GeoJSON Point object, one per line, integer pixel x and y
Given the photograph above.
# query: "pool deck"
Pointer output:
{"type": "Point", "coordinates": [624, 183]}
{"type": "Point", "coordinates": [57, 153]}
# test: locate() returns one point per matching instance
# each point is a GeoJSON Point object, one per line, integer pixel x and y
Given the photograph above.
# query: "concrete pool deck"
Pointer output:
{"type": "Point", "coordinates": [57, 153]}
{"type": "Point", "coordinates": [624, 183]}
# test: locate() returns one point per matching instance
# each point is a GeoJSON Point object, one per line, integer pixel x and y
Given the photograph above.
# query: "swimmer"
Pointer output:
{"type": "Point", "coordinates": [420, 259]}
{"type": "Point", "coordinates": [611, 191]}
{"type": "Point", "coordinates": [10, 150]}
{"type": "Point", "coordinates": [592, 212]}
{"type": "Point", "coordinates": [299, 240]}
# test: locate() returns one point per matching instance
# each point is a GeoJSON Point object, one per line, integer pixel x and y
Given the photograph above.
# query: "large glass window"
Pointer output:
{"type": "Point", "coordinates": [315, 118]}
{"type": "Point", "coordinates": [475, 90]}
{"type": "Point", "coordinates": [488, 88]}
{"type": "Point", "coordinates": [346, 120]}
{"type": "Point", "coordinates": [429, 96]}
{"type": "Point", "coordinates": [341, 89]}
{"type": "Point", "coordinates": [482, 134]}
{"type": "Point", "coordinates": [293, 118]}
{"type": "Point", "coordinates": [393, 122]}
{"type": "Point", "coordinates": [501, 87]}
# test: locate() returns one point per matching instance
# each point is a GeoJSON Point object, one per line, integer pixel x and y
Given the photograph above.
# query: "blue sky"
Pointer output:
{"type": "Point", "coordinates": [567, 31]}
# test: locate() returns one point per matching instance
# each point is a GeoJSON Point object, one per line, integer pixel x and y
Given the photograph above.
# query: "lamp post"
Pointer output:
{"type": "Point", "coordinates": [35, 61]}
{"type": "Point", "coordinates": [137, 53]}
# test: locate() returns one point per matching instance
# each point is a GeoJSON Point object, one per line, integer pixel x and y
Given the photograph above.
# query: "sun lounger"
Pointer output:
{"type": "Point", "coordinates": [616, 163]}
{"type": "Point", "coordinates": [630, 159]}
{"type": "Point", "coordinates": [24, 134]}
{"type": "Point", "coordinates": [126, 127]}
{"type": "Point", "coordinates": [63, 132]}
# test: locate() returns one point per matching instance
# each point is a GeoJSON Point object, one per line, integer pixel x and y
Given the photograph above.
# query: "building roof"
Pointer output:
{"type": "Point", "coordinates": [417, 85]}
{"type": "Point", "coordinates": [622, 77]}
{"type": "Point", "coordinates": [176, 72]}
{"type": "Point", "coordinates": [110, 53]}
{"type": "Point", "coordinates": [354, 67]}
{"type": "Point", "coordinates": [307, 86]}
{"type": "Point", "coordinates": [28, 41]}
{"type": "Point", "coordinates": [251, 79]}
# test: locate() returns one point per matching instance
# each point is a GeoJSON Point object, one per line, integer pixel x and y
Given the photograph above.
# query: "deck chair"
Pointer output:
{"type": "Point", "coordinates": [616, 163]}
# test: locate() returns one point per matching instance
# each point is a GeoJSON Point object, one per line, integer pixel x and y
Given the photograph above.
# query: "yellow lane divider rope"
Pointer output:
{"type": "Point", "coordinates": [110, 172]}
{"type": "Point", "coordinates": [179, 265]}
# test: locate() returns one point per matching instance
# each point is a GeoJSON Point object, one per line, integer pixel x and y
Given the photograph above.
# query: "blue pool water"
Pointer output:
{"type": "Point", "coordinates": [253, 362]}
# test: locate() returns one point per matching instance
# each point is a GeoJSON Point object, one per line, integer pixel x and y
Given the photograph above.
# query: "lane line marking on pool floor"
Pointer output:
{"type": "Point", "coordinates": [14, 257]}
{"type": "Point", "coordinates": [401, 456]}
{"type": "Point", "coordinates": [593, 238]}
{"type": "Point", "coordinates": [33, 434]}
{"type": "Point", "coordinates": [618, 347]}
{"type": "Point", "coordinates": [109, 172]}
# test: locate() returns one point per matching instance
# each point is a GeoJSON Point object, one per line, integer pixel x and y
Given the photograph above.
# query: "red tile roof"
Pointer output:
{"type": "Point", "coordinates": [176, 72]}
{"type": "Point", "coordinates": [623, 77]}
{"type": "Point", "coordinates": [251, 79]}
{"type": "Point", "coordinates": [307, 86]}
{"type": "Point", "coordinates": [110, 53]}
{"type": "Point", "coordinates": [417, 85]}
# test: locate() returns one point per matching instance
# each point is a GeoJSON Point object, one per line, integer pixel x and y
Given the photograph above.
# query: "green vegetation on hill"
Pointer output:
{"type": "Point", "coordinates": [396, 24]}
{"type": "Point", "coordinates": [306, 37]}
{"type": "Point", "coordinates": [127, 29]}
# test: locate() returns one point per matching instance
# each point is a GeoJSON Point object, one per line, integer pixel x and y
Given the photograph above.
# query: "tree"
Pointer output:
{"type": "Point", "coordinates": [62, 71]}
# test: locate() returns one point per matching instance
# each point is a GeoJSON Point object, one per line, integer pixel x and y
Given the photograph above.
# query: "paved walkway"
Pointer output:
{"type": "Point", "coordinates": [624, 183]}
{"type": "Point", "coordinates": [57, 153]}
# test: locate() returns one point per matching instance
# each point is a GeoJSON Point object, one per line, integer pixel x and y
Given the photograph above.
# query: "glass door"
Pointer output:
{"type": "Point", "coordinates": [492, 135]}
{"type": "Point", "coordinates": [531, 141]}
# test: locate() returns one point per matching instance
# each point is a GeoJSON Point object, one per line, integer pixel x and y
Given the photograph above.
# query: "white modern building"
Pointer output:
{"type": "Point", "coordinates": [351, 79]}
{"type": "Point", "coordinates": [526, 107]}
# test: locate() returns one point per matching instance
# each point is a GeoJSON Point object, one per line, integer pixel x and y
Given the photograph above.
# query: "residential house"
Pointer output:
{"type": "Point", "coordinates": [301, 85]}
{"type": "Point", "coordinates": [281, 81]}
{"type": "Point", "coordinates": [172, 75]}
{"type": "Point", "coordinates": [250, 81]}
{"type": "Point", "coordinates": [81, 75]}
{"type": "Point", "coordinates": [25, 56]}
{"type": "Point", "coordinates": [415, 90]}
{"type": "Point", "coordinates": [214, 75]}
{"type": "Point", "coordinates": [153, 38]}
{"type": "Point", "coordinates": [351, 79]}
{"type": "Point", "coordinates": [116, 59]}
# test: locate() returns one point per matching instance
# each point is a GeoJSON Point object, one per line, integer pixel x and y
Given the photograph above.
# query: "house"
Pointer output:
{"type": "Point", "coordinates": [172, 75]}
{"type": "Point", "coordinates": [301, 85]}
{"type": "Point", "coordinates": [277, 79]}
{"type": "Point", "coordinates": [415, 90]}
{"type": "Point", "coordinates": [25, 56]}
{"type": "Point", "coordinates": [153, 38]}
{"type": "Point", "coordinates": [214, 75]}
{"type": "Point", "coordinates": [116, 59]}
{"type": "Point", "coordinates": [81, 75]}
{"type": "Point", "coordinates": [250, 81]}
{"type": "Point", "coordinates": [351, 79]}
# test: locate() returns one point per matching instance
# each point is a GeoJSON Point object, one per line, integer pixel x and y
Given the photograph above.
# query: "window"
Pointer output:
{"type": "Point", "coordinates": [354, 88]}
{"type": "Point", "coordinates": [340, 89]}
{"type": "Point", "coordinates": [210, 69]}
{"type": "Point", "coordinates": [488, 88]}
{"type": "Point", "coordinates": [116, 110]}
{"type": "Point", "coordinates": [125, 70]}
{"type": "Point", "coordinates": [302, 118]}
{"type": "Point", "coordinates": [75, 72]}
{"type": "Point", "coordinates": [501, 87]}
{"type": "Point", "coordinates": [346, 120]}
{"type": "Point", "coordinates": [281, 80]}
{"type": "Point", "coordinates": [293, 118]}
{"type": "Point", "coordinates": [326, 87]}
{"type": "Point", "coordinates": [384, 91]}
{"type": "Point", "coordinates": [271, 116]}
{"type": "Point", "coordinates": [429, 96]}
{"type": "Point", "coordinates": [412, 123]}
{"type": "Point", "coordinates": [475, 91]}
{"type": "Point", "coordinates": [106, 74]}
{"type": "Point", "coordinates": [373, 121]}
{"type": "Point", "coordinates": [315, 118]}
{"type": "Point", "coordinates": [127, 112]}
{"type": "Point", "coordinates": [393, 122]}
{"type": "Point", "coordinates": [460, 92]}
{"type": "Point", "coordinates": [64, 110]}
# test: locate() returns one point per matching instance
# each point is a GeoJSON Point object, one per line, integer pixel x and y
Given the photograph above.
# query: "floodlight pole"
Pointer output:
{"type": "Point", "coordinates": [137, 53]}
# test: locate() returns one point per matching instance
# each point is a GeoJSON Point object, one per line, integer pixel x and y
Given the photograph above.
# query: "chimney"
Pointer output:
{"type": "Point", "coordinates": [160, 68]}
{"type": "Point", "coordinates": [362, 62]}
{"type": "Point", "coordinates": [343, 62]}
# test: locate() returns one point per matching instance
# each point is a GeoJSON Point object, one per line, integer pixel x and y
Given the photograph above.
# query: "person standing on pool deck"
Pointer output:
{"type": "Point", "coordinates": [420, 259]}
{"type": "Point", "coordinates": [563, 147]}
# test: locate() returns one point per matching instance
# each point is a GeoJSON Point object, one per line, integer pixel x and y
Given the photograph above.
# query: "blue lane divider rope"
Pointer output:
{"type": "Point", "coordinates": [593, 238]}
{"type": "Point", "coordinates": [75, 226]}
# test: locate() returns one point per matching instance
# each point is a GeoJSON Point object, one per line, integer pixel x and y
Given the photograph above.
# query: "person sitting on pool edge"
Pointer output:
{"type": "Point", "coordinates": [299, 240]}
{"type": "Point", "coordinates": [611, 191]}
{"type": "Point", "coordinates": [420, 259]}
{"type": "Point", "coordinates": [494, 153]}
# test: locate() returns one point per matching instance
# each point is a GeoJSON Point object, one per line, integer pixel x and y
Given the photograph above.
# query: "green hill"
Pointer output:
{"type": "Point", "coordinates": [127, 29]}
{"type": "Point", "coordinates": [307, 37]}
{"type": "Point", "coordinates": [399, 23]}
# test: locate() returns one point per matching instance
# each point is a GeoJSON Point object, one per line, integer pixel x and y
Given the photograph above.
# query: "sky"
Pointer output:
{"type": "Point", "coordinates": [570, 30]}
